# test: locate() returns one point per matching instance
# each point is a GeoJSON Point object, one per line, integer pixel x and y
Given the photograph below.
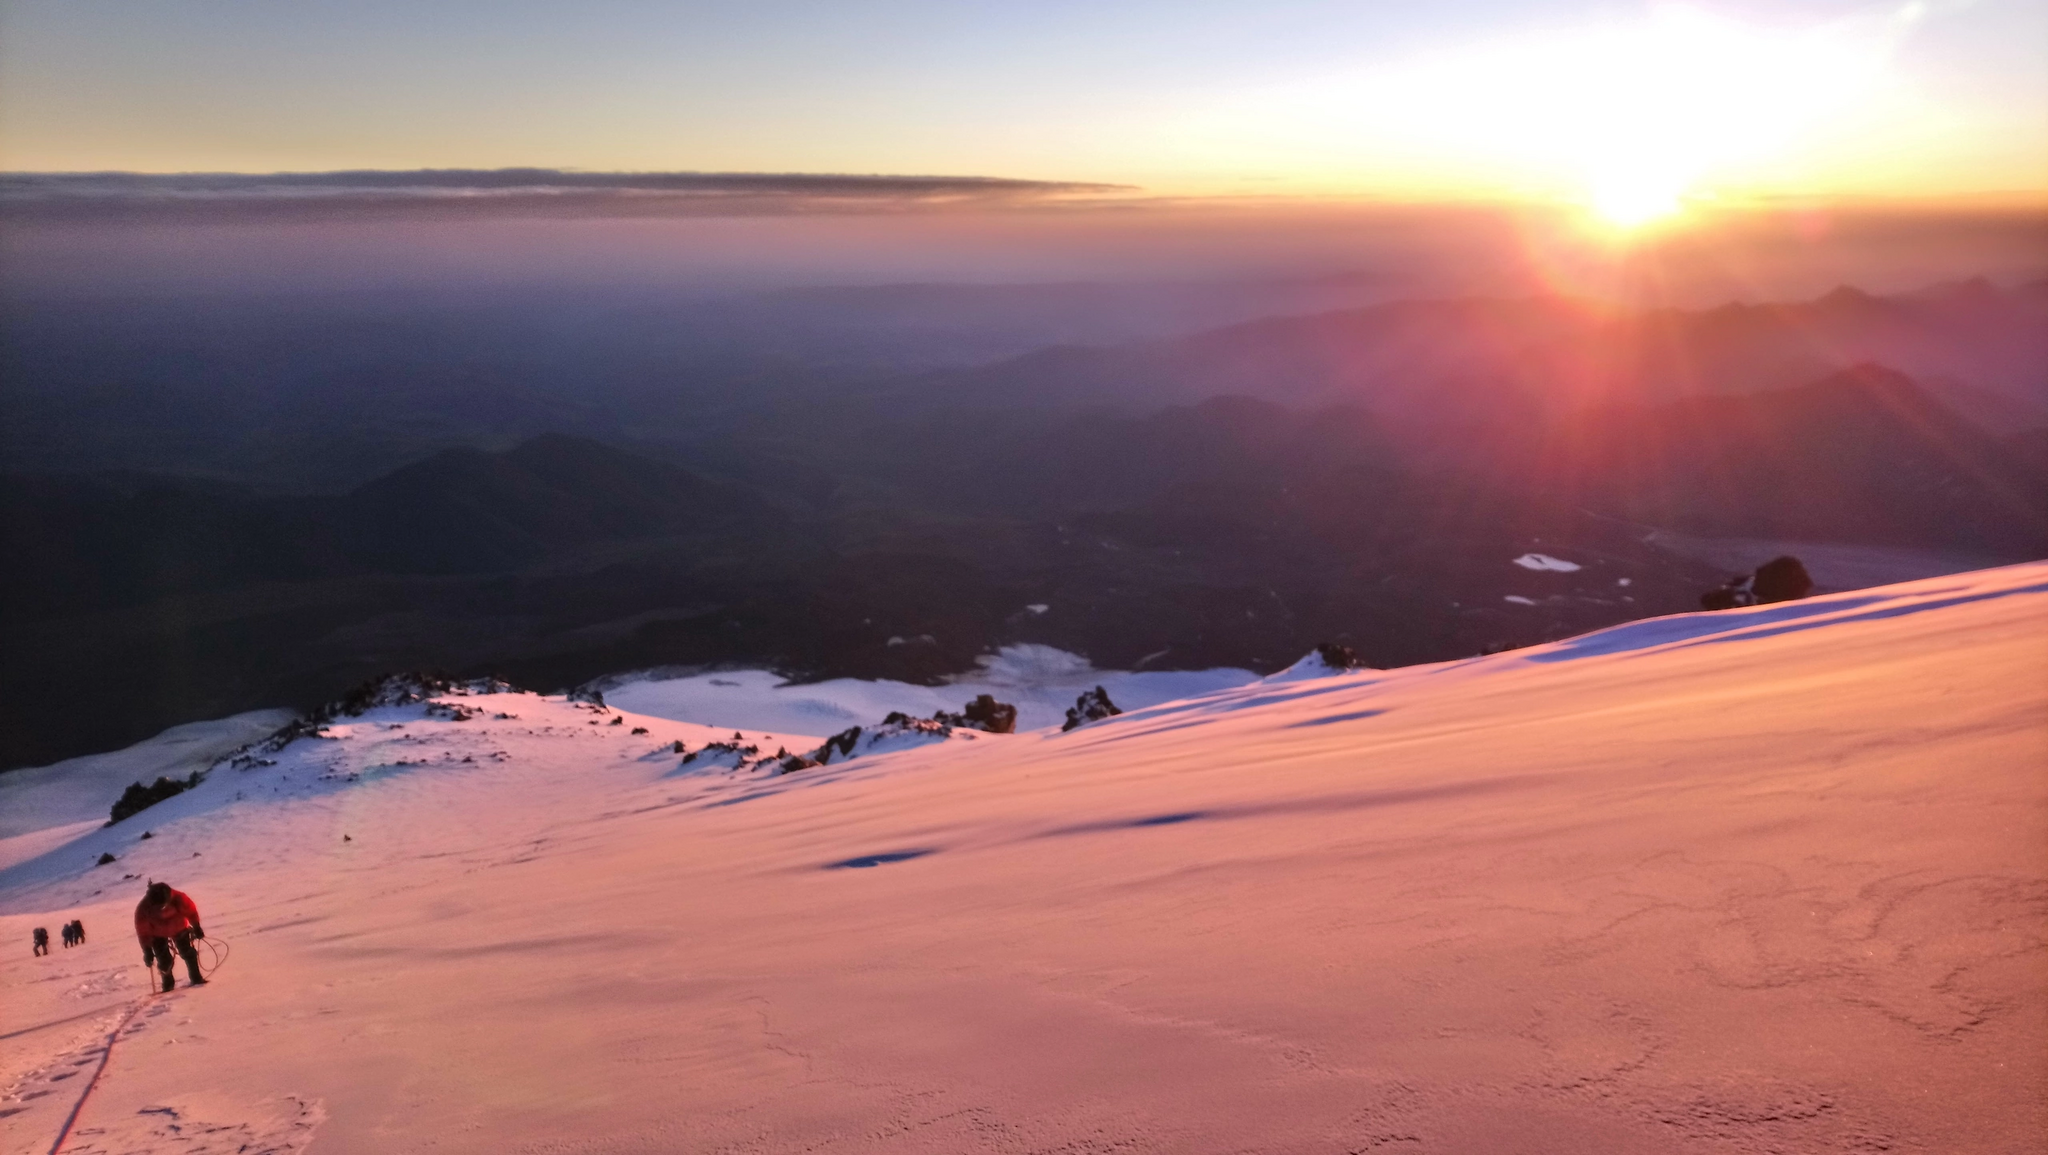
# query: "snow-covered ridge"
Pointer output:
{"type": "Point", "coordinates": [78, 790]}
{"type": "Point", "coordinates": [1042, 682]}
{"type": "Point", "coordinates": [1768, 878]}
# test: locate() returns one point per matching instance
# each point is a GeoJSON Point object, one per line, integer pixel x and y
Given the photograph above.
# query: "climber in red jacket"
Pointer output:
{"type": "Point", "coordinates": [163, 919]}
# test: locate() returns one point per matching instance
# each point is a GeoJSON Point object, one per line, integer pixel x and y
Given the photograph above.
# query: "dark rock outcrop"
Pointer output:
{"type": "Point", "coordinates": [138, 798]}
{"type": "Point", "coordinates": [1782, 579]}
{"type": "Point", "coordinates": [1092, 706]}
{"type": "Point", "coordinates": [895, 732]}
{"type": "Point", "coordinates": [1729, 594]}
{"type": "Point", "coordinates": [390, 690]}
{"type": "Point", "coordinates": [1338, 657]}
{"type": "Point", "coordinates": [983, 713]}
{"type": "Point", "coordinates": [843, 742]}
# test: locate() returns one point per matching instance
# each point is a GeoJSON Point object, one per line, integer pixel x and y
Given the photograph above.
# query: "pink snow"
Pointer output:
{"type": "Point", "coordinates": [1771, 879]}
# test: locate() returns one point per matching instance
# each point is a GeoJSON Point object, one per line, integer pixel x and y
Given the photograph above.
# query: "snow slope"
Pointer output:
{"type": "Point", "coordinates": [1772, 879]}
{"type": "Point", "coordinates": [1039, 680]}
{"type": "Point", "coordinates": [81, 789]}
{"type": "Point", "coordinates": [43, 807]}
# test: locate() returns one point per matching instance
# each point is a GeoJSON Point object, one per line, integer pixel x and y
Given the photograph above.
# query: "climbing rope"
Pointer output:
{"type": "Point", "coordinates": [213, 954]}
{"type": "Point", "coordinates": [217, 950]}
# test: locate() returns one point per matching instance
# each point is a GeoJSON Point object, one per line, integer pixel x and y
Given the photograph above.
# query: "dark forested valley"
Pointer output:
{"type": "Point", "coordinates": [553, 496]}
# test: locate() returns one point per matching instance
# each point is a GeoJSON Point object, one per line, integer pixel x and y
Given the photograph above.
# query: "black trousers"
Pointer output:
{"type": "Point", "coordinates": [160, 948]}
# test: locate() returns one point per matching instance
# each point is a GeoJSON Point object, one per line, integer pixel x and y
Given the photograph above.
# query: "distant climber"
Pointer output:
{"type": "Point", "coordinates": [78, 932]}
{"type": "Point", "coordinates": [164, 919]}
{"type": "Point", "coordinates": [41, 938]}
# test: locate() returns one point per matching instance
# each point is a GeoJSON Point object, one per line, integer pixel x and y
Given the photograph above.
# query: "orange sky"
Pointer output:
{"type": "Point", "coordinates": [1633, 110]}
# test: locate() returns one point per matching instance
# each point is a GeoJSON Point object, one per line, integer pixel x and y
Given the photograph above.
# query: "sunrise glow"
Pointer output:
{"type": "Point", "coordinates": [1629, 200]}
{"type": "Point", "coordinates": [1627, 117]}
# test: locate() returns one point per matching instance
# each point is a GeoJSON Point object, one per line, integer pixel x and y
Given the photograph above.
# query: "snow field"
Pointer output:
{"type": "Point", "coordinates": [1772, 879]}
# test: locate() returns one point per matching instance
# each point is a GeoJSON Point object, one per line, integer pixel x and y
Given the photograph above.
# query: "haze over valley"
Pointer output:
{"type": "Point", "coordinates": [242, 503]}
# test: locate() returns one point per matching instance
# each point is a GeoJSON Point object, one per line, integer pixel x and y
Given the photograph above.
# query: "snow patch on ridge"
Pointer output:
{"type": "Point", "coordinates": [1314, 666]}
{"type": "Point", "coordinates": [1041, 681]}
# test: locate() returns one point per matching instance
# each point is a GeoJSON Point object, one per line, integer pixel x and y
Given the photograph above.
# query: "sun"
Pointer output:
{"type": "Point", "coordinates": [1632, 118]}
{"type": "Point", "coordinates": [1630, 200]}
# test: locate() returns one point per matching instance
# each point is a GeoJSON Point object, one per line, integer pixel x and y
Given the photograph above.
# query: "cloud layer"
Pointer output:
{"type": "Point", "coordinates": [511, 192]}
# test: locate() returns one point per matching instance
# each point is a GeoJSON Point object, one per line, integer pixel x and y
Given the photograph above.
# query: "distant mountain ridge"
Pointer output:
{"type": "Point", "coordinates": [1864, 455]}
{"type": "Point", "coordinates": [93, 541]}
{"type": "Point", "coordinates": [1367, 477]}
{"type": "Point", "coordinates": [465, 510]}
{"type": "Point", "coordinates": [1453, 360]}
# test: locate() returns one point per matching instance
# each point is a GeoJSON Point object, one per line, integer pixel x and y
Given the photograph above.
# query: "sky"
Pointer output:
{"type": "Point", "coordinates": [1627, 107]}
